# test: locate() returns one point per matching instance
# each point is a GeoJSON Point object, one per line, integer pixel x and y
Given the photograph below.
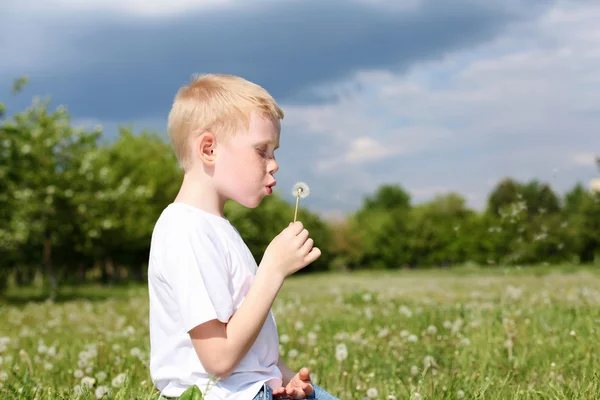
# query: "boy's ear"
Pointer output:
{"type": "Point", "coordinates": [206, 145]}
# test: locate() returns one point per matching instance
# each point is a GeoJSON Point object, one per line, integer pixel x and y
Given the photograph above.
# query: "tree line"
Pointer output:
{"type": "Point", "coordinates": [76, 207]}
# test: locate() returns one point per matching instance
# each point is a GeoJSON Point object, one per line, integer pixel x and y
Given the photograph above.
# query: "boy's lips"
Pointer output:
{"type": "Point", "coordinates": [270, 187]}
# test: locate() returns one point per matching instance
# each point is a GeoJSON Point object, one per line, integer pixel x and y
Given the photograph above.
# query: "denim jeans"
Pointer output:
{"type": "Point", "coordinates": [266, 393]}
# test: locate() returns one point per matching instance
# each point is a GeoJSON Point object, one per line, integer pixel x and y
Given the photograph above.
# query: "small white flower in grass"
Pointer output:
{"type": "Point", "coordinates": [135, 352]}
{"type": "Point", "coordinates": [460, 394]}
{"type": "Point", "coordinates": [416, 396]}
{"type": "Point", "coordinates": [312, 338]}
{"type": "Point", "coordinates": [101, 391]}
{"type": "Point", "coordinates": [372, 393]}
{"type": "Point", "coordinates": [431, 329]}
{"type": "Point", "coordinates": [405, 310]}
{"type": "Point", "coordinates": [284, 338]}
{"type": "Point", "coordinates": [413, 338]}
{"type": "Point", "coordinates": [300, 191]}
{"type": "Point", "coordinates": [572, 333]}
{"type": "Point", "coordinates": [88, 381]}
{"type": "Point", "coordinates": [3, 376]}
{"type": "Point", "coordinates": [118, 380]}
{"type": "Point", "coordinates": [293, 353]}
{"type": "Point", "coordinates": [404, 333]}
{"type": "Point", "coordinates": [429, 362]}
{"type": "Point", "coordinates": [341, 352]}
{"type": "Point", "coordinates": [299, 325]}
{"type": "Point", "coordinates": [78, 374]}
{"type": "Point", "coordinates": [391, 397]}
{"type": "Point", "coordinates": [78, 390]}
{"type": "Point", "coordinates": [414, 370]}
{"type": "Point", "coordinates": [101, 376]}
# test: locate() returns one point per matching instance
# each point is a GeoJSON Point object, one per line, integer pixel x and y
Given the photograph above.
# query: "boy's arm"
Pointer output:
{"type": "Point", "coordinates": [221, 346]}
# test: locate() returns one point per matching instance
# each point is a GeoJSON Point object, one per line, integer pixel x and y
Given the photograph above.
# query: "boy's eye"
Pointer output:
{"type": "Point", "coordinates": [262, 152]}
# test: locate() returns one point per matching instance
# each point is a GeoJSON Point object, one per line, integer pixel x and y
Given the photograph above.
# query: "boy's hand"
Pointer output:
{"type": "Point", "coordinates": [290, 251]}
{"type": "Point", "coordinates": [300, 387]}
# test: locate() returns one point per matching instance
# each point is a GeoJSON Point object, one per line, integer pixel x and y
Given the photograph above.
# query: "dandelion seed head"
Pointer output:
{"type": "Point", "coordinates": [301, 190]}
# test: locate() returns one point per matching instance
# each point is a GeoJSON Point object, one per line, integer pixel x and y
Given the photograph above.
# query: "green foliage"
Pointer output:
{"type": "Point", "coordinates": [75, 206]}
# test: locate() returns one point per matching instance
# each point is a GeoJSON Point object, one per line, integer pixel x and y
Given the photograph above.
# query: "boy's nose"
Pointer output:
{"type": "Point", "coordinates": [274, 167]}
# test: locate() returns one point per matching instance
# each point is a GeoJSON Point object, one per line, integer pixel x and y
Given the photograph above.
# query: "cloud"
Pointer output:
{"type": "Point", "coordinates": [587, 159]}
{"type": "Point", "coordinates": [138, 8]}
{"type": "Point", "coordinates": [526, 105]}
{"type": "Point", "coordinates": [436, 97]}
{"type": "Point", "coordinates": [117, 66]}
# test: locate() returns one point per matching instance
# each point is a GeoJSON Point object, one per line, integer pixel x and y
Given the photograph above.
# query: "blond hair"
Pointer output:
{"type": "Point", "coordinates": [219, 103]}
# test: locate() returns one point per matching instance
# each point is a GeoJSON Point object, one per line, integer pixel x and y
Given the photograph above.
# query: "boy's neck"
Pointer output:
{"type": "Point", "coordinates": [197, 190]}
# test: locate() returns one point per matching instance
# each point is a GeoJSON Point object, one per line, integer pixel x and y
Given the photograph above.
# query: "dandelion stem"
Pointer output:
{"type": "Point", "coordinates": [296, 211]}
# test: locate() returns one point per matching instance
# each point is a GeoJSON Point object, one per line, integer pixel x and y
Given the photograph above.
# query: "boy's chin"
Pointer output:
{"type": "Point", "coordinates": [252, 203]}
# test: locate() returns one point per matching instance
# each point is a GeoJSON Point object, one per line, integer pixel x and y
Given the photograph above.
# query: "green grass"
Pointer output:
{"type": "Point", "coordinates": [529, 333]}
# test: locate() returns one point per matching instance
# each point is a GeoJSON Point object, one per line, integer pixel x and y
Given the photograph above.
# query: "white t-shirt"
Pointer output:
{"type": "Point", "coordinates": [200, 269]}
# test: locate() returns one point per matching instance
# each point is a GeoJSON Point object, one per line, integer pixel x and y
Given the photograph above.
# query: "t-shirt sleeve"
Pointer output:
{"type": "Point", "coordinates": [198, 275]}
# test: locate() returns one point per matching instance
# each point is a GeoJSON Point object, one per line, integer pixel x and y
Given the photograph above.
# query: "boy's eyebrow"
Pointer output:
{"type": "Point", "coordinates": [268, 142]}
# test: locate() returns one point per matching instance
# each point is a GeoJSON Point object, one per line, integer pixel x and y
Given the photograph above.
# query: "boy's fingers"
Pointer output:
{"type": "Point", "coordinates": [296, 227]}
{"type": "Point", "coordinates": [302, 236]}
{"type": "Point", "coordinates": [307, 245]}
{"type": "Point", "coordinates": [304, 374]}
{"type": "Point", "coordinates": [312, 255]}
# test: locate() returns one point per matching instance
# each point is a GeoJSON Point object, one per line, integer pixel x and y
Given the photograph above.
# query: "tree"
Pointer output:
{"type": "Point", "coordinates": [40, 157]}
{"type": "Point", "coordinates": [382, 226]}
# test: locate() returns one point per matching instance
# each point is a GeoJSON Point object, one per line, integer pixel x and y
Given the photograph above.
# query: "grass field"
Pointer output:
{"type": "Point", "coordinates": [529, 333]}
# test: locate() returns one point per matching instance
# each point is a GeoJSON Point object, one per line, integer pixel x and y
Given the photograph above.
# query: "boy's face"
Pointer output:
{"type": "Point", "coordinates": [245, 163]}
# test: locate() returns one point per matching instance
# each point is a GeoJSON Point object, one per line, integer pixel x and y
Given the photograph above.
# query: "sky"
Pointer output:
{"type": "Point", "coordinates": [435, 96]}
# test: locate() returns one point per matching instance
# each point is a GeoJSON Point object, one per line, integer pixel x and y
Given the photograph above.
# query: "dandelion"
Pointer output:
{"type": "Point", "coordinates": [88, 381]}
{"type": "Point", "coordinates": [101, 376]}
{"type": "Point", "coordinates": [118, 380]}
{"type": "Point", "coordinates": [101, 391]}
{"type": "Point", "coordinates": [372, 393]}
{"type": "Point", "coordinates": [460, 394]}
{"type": "Point", "coordinates": [300, 190]}
{"type": "Point", "coordinates": [341, 352]}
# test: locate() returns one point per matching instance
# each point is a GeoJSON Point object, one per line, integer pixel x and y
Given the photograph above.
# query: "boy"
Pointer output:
{"type": "Point", "coordinates": [211, 323]}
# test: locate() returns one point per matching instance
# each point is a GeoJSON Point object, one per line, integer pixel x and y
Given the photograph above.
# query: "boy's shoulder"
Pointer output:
{"type": "Point", "coordinates": [182, 222]}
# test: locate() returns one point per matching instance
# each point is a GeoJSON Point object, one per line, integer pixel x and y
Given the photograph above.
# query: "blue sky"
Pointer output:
{"type": "Point", "coordinates": [436, 96]}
